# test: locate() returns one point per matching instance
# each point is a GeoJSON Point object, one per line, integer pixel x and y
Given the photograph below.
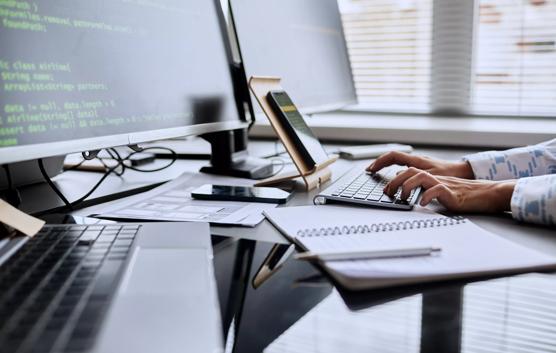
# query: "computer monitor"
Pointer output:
{"type": "Point", "coordinates": [303, 43]}
{"type": "Point", "coordinates": [86, 75]}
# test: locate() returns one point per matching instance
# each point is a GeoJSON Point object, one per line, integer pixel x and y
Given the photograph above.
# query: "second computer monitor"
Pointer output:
{"type": "Point", "coordinates": [303, 43]}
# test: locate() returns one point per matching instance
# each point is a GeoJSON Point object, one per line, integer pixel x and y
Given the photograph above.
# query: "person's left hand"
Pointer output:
{"type": "Point", "coordinates": [457, 195]}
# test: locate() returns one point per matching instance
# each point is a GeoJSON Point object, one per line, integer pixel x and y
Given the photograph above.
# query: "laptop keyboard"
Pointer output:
{"type": "Point", "coordinates": [56, 288]}
{"type": "Point", "coordinates": [370, 188]}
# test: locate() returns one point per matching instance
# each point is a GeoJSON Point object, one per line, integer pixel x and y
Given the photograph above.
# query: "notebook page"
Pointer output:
{"type": "Point", "coordinates": [466, 249]}
{"type": "Point", "coordinates": [291, 220]}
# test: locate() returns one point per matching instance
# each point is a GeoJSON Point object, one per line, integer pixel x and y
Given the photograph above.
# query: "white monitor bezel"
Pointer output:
{"type": "Point", "coordinates": [41, 150]}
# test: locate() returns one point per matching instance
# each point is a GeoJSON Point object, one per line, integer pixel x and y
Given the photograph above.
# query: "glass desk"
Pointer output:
{"type": "Point", "coordinates": [294, 309]}
{"type": "Point", "coordinates": [297, 310]}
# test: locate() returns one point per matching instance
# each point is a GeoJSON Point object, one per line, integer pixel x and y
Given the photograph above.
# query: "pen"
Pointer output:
{"type": "Point", "coordinates": [368, 255]}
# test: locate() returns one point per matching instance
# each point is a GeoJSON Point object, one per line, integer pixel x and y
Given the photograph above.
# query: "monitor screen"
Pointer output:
{"type": "Point", "coordinates": [82, 75]}
{"type": "Point", "coordinates": [301, 42]}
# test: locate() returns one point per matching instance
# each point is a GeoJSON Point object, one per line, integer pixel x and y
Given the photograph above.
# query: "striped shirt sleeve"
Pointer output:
{"type": "Point", "coordinates": [515, 163]}
{"type": "Point", "coordinates": [534, 200]}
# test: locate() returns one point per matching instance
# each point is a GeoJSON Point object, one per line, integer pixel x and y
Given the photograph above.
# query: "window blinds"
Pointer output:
{"type": "Point", "coordinates": [389, 44]}
{"type": "Point", "coordinates": [402, 61]}
{"type": "Point", "coordinates": [515, 58]}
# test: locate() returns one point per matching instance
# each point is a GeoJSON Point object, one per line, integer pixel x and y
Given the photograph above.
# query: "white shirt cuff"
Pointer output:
{"type": "Point", "coordinates": [534, 200]}
{"type": "Point", "coordinates": [483, 165]}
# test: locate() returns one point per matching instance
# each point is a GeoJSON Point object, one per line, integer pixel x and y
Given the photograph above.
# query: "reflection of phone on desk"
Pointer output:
{"type": "Point", "coordinates": [291, 119]}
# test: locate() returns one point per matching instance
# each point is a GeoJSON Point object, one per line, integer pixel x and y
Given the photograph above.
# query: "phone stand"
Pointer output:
{"type": "Point", "coordinates": [312, 175]}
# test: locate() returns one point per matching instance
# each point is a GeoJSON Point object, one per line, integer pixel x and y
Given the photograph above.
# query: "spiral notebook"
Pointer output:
{"type": "Point", "coordinates": [467, 250]}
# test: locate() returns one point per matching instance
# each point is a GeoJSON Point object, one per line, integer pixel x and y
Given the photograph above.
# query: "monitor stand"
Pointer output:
{"type": "Point", "coordinates": [28, 173]}
{"type": "Point", "coordinates": [230, 157]}
{"type": "Point", "coordinates": [25, 173]}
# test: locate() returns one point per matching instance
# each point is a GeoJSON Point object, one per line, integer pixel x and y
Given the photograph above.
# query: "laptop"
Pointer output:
{"type": "Point", "coordinates": [110, 288]}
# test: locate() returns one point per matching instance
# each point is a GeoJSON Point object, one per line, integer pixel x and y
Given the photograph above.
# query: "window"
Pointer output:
{"type": "Point", "coordinates": [493, 57]}
{"type": "Point", "coordinates": [389, 43]}
{"type": "Point", "coordinates": [515, 62]}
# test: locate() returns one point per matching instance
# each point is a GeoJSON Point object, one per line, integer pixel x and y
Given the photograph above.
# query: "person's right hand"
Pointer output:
{"type": "Point", "coordinates": [433, 166]}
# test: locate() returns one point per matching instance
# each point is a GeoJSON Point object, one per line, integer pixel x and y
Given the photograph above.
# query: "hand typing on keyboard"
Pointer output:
{"type": "Point", "coordinates": [460, 169]}
{"type": "Point", "coordinates": [447, 182]}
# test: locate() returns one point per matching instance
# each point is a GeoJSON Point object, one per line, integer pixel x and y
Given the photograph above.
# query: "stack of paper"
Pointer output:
{"type": "Point", "coordinates": [172, 202]}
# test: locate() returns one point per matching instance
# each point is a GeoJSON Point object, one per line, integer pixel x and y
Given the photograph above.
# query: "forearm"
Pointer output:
{"type": "Point", "coordinates": [503, 193]}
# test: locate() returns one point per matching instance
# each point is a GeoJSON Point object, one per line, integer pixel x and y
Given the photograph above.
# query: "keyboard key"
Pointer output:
{"type": "Point", "coordinates": [95, 228]}
{"type": "Point", "coordinates": [85, 242]}
{"type": "Point", "coordinates": [62, 312]}
{"type": "Point", "coordinates": [72, 234]}
{"type": "Point", "coordinates": [126, 236]}
{"type": "Point", "coordinates": [401, 202]}
{"type": "Point", "coordinates": [123, 250]}
{"type": "Point", "coordinates": [83, 332]}
{"type": "Point", "coordinates": [122, 243]}
{"type": "Point", "coordinates": [89, 236]}
{"type": "Point", "coordinates": [70, 301]}
{"type": "Point", "coordinates": [100, 246]}
{"type": "Point", "coordinates": [106, 238]}
{"type": "Point", "coordinates": [116, 257]}
{"type": "Point", "coordinates": [97, 252]}
{"type": "Point", "coordinates": [387, 199]}
{"type": "Point", "coordinates": [46, 340]}
{"type": "Point", "coordinates": [374, 197]}
{"type": "Point", "coordinates": [56, 324]}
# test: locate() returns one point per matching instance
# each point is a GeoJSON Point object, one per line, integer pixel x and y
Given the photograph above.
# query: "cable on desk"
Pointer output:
{"type": "Point", "coordinates": [282, 165]}
{"type": "Point", "coordinates": [172, 160]}
{"type": "Point", "coordinates": [12, 194]}
{"type": "Point", "coordinates": [121, 163]}
{"type": "Point", "coordinates": [71, 205]}
{"type": "Point", "coordinates": [276, 153]}
{"type": "Point", "coordinates": [52, 186]}
{"type": "Point", "coordinates": [113, 153]}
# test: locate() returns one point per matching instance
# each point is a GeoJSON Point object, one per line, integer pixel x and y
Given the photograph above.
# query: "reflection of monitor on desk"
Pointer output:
{"type": "Point", "coordinates": [81, 79]}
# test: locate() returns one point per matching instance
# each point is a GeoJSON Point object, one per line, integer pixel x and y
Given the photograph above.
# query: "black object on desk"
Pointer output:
{"type": "Point", "coordinates": [241, 193]}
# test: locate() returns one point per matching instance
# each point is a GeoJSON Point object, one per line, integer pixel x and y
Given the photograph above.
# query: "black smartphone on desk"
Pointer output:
{"type": "Point", "coordinates": [293, 122]}
{"type": "Point", "coordinates": [241, 193]}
